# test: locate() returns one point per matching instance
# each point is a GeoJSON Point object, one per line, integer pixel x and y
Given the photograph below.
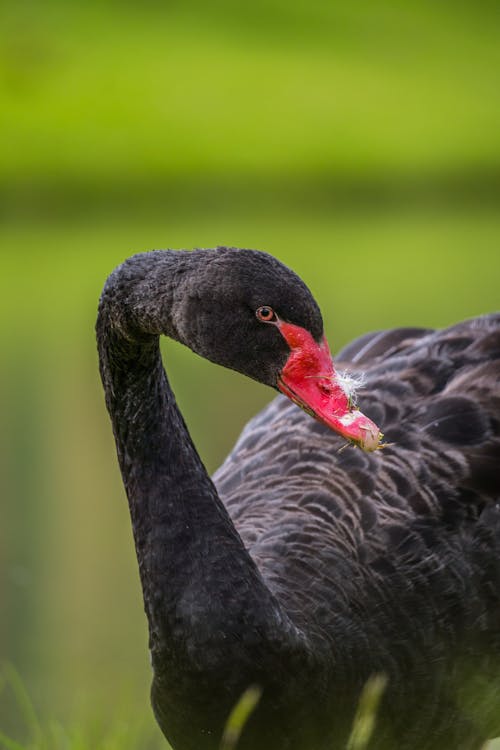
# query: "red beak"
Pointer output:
{"type": "Point", "coordinates": [309, 379]}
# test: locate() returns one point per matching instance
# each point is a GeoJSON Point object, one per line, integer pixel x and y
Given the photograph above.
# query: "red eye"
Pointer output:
{"type": "Point", "coordinates": [266, 314]}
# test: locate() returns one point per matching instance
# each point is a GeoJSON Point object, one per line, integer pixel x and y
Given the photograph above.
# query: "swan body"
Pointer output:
{"type": "Point", "coordinates": [302, 567]}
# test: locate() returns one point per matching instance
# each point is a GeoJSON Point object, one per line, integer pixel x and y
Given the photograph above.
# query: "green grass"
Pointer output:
{"type": "Point", "coordinates": [365, 721]}
{"type": "Point", "coordinates": [40, 734]}
{"type": "Point", "coordinates": [239, 716]}
{"type": "Point", "coordinates": [130, 735]}
{"type": "Point", "coordinates": [121, 736]}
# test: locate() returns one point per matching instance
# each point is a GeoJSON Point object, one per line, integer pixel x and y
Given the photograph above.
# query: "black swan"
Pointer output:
{"type": "Point", "coordinates": [302, 567]}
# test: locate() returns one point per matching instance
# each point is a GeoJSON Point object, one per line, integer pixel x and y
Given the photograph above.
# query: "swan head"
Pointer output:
{"type": "Point", "coordinates": [247, 311]}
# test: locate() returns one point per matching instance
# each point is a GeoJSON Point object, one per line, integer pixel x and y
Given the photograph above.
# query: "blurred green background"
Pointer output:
{"type": "Point", "coordinates": [358, 142]}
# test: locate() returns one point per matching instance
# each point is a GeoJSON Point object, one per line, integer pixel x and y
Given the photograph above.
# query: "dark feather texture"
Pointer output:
{"type": "Point", "coordinates": [306, 568]}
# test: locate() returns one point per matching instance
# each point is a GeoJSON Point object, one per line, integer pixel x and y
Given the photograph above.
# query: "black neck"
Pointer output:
{"type": "Point", "coordinates": [188, 550]}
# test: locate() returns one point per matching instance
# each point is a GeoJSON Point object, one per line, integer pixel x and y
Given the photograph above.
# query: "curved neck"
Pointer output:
{"type": "Point", "coordinates": [188, 550]}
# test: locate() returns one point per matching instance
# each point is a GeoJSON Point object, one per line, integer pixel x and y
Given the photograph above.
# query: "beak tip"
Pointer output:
{"type": "Point", "coordinates": [359, 429]}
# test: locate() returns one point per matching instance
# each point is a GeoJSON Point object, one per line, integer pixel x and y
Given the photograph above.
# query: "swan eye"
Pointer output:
{"type": "Point", "coordinates": [266, 314]}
